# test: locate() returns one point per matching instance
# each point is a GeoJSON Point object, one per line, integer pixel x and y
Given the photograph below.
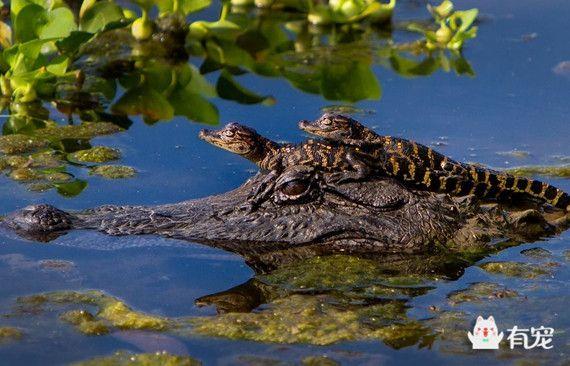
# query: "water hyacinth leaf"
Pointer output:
{"type": "Point", "coordinates": [146, 101]}
{"type": "Point", "coordinates": [462, 67]}
{"type": "Point", "coordinates": [194, 106]}
{"type": "Point", "coordinates": [160, 76]}
{"type": "Point", "coordinates": [100, 15]}
{"type": "Point", "coordinates": [60, 22]}
{"type": "Point", "coordinates": [105, 87]}
{"type": "Point", "coordinates": [190, 6]}
{"type": "Point", "coordinates": [253, 41]}
{"type": "Point", "coordinates": [412, 68]}
{"type": "Point", "coordinates": [22, 57]}
{"type": "Point", "coordinates": [349, 82]}
{"type": "Point", "coordinates": [70, 44]}
{"type": "Point", "coordinates": [221, 29]}
{"type": "Point", "coordinates": [304, 77]}
{"type": "Point", "coordinates": [85, 5]}
{"type": "Point", "coordinates": [26, 23]}
{"type": "Point", "coordinates": [5, 35]}
{"type": "Point", "coordinates": [185, 6]}
{"type": "Point", "coordinates": [466, 18]}
{"type": "Point", "coordinates": [229, 53]}
{"type": "Point", "coordinates": [377, 12]}
{"type": "Point", "coordinates": [199, 84]}
{"type": "Point", "coordinates": [228, 88]}
{"type": "Point", "coordinates": [70, 189]}
{"type": "Point", "coordinates": [58, 66]}
{"type": "Point", "coordinates": [17, 5]}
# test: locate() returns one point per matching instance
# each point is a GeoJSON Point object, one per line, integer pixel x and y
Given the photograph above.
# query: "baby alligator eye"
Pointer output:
{"type": "Point", "coordinates": [326, 122]}
{"type": "Point", "coordinates": [294, 188]}
{"type": "Point", "coordinates": [228, 133]}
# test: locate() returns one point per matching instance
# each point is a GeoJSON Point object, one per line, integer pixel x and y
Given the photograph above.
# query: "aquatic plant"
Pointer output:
{"type": "Point", "coordinates": [79, 61]}
{"type": "Point", "coordinates": [124, 358]}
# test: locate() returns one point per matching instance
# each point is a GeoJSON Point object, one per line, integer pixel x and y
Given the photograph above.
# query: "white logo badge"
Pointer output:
{"type": "Point", "coordinates": [485, 334]}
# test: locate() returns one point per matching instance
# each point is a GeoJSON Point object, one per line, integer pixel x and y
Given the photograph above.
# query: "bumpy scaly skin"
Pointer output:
{"type": "Point", "coordinates": [346, 161]}
{"type": "Point", "coordinates": [301, 218]}
{"type": "Point", "coordinates": [416, 162]}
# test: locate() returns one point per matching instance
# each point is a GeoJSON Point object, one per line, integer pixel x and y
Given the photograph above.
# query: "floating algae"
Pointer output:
{"type": "Point", "coordinates": [18, 144]}
{"type": "Point", "coordinates": [97, 154]}
{"type": "Point", "coordinates": [123, 358]}
{"type": "Point", "coordinates": [518, 269]}
{"type": "Point", "coordinates": [113, 171]}
{"type": "Point", "coordinates": [111, 312]}
{"type": "Point", "coordinates": [536, 253]}
{"type": "Point", "coordinates": [555, 171]}
{"type": "Point", "coordinates": [318, 361]}
{"type": "Point", "coordinates": [85, 322]}
{"type": "Point", "coordinates": [25, 174]}
{"type": "Point", "coordinates": [481, 291]}
{"type": "Point", "coordinates": [315, 320]}
{"type": "Point", "coordinates": [9, 334]}
{"type": "Point", "coordinates": [85, 130]}
{"type": "Point", "coordinates": [341, 272]}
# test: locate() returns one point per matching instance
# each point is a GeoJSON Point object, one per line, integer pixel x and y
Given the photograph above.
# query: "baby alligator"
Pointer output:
{"type": "Point", "coordinates": [346, 162]}
{"type": "Point", "coordinates": [470, 179]}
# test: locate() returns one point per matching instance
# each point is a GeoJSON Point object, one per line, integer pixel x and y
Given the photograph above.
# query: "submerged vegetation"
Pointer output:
{"type": "Point", "coordinates": [311, 302]}
{"type": "Point", "coordinates": [74, 70]}
{"type": "Point", "coordinates": [143, 359]}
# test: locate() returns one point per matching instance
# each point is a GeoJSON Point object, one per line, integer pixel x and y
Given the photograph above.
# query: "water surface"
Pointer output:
{"type": "Point", "coordinates": [514, 102]}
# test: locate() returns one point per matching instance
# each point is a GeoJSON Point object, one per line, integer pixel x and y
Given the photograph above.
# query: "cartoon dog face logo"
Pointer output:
{"type": "Point", "coordinates": [485, 334]}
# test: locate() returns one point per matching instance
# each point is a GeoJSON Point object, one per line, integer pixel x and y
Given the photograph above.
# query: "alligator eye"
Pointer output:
{"type": "Point", "coordinates": [294, 188]}
{"type": "Point", "coordinates": [229, 133]}
{"type": "Point", "coordinates": [326, 122]}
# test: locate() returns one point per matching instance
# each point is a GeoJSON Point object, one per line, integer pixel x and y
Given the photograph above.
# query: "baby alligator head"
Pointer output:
{"type": "Point", "coordinates": [240, 140]}
{"type": "Point", "coordinates": [333, 126]}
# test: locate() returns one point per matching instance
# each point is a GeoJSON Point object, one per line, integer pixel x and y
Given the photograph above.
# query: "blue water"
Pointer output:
{"type": "Point", "coordinates": [515, 101]}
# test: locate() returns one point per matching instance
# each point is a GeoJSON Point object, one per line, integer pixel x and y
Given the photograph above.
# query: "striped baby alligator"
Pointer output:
{"type": "Point", "coordinates": [353, 161]}
{"type": "Point", "coordinates": [469, 178]}
{"type": "Point", "coordinates": [345, 162]}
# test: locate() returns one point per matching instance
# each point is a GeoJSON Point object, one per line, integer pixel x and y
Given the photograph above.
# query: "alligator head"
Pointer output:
{"type": "Point", "coordinates": [302, 216]}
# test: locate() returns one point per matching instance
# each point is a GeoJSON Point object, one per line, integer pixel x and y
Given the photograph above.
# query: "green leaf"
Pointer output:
{"type": "Point", "coordinates": [412, 68]}
{"type": "Point", "coordinates": [22, 57]}
{"type": "Point", "coordinates": [307, 82]}
{"type": "Point", "coordinates": [60, 23]}
{"type": "Point", "coordinates": [105, 87]}
{"type": "Point", "coordinates": [17, 5]}
{"type": "Point", "coordinates": [58, 66]}
{"type": "Point", "coordinates": [86, 5]}
{"type": "Point", "coordinates": [193, 106]}
{"type": "Point", "coordinates": [72, 43]}
{"type": "Point", "coordinates": [222, 29]}
{"type": "Point", "coordinates": [99, 15]}
{"type": "Point", "coordinates": [70, 189]}
{"type": "Point", "coordinates": [228, 88]}
{"type": "Point", "coordinates": [353, 82]}
{"type": "Point", "coordinates": [146, 101]}
{"type": "Point", "coordinates": [462, 67]}
{"type": "Point", "coordinates": [159, 75]}
{"type": "Point", "coordinates": [191, 6]}
{"type": "Point", "coordinates": [26, 23]}
{"type": "Point", "coordinates": [199, 84]}
{"type": "Point", "coordinates": [467, 17]}
{"type": "Point", "coordinates": [186, 6]}
{"type": "Point", "coordinates": [5, 35]}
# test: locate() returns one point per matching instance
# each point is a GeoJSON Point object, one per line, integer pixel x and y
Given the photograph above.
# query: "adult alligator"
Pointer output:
{"type": "Point", "coordinates": [303, 216]}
